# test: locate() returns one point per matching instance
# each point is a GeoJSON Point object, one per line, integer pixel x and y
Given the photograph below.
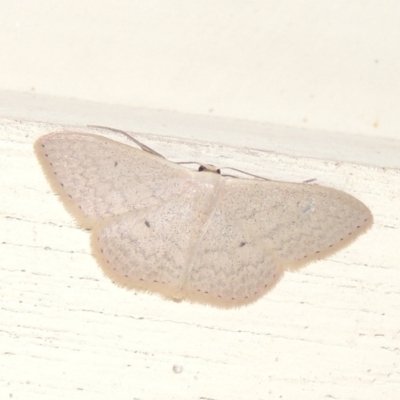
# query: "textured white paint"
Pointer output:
{"type": "Point", "coordinates": [328, 331]}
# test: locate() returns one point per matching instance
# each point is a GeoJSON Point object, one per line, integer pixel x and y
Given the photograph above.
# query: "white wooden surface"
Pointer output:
{"type": "Point", "coordinates": [330, 330]}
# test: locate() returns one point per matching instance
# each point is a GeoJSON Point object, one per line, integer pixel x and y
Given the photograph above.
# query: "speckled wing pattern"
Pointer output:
{"type": "Point", "coordinates": [160, 227]}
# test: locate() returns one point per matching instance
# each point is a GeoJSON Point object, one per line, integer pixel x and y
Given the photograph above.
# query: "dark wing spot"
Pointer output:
{"type": "Point", "coordinates": [242, 244]}
{"type": "Point", "coordinates": [147, 223]}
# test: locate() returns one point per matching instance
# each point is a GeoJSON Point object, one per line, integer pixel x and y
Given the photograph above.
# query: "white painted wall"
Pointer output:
{"type": "Point", "coordinates": [331, 66]}
{"type": "Point", "coordinates": [288, 90]}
